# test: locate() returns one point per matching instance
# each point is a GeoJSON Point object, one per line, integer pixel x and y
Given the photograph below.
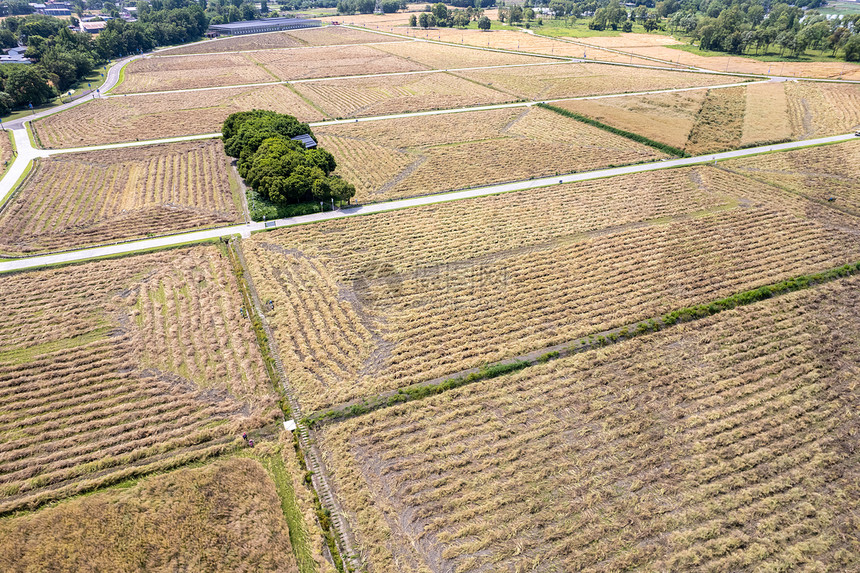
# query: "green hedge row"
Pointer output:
{"type": "Point", "coordinates": [628, 134]}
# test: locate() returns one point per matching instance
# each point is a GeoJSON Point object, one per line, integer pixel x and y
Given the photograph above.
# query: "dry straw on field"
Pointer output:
{"type": "Point", "coordinates": [114, 369]}
{"type": "Point", "coordinates": [703, 121]}
{"type": "Point", "coordinates": [94, 197]}
{"type": "Point", "coordinates": [448, 57]}
{"type": "Point", "coordinates": [224, 517]}
{"type": "Point", "coordinates": [729, 444]}
{"type": "Point", "coordinates": [160, 74]}
{"type": "Point", "coordinates": [397, 94]}
{"type": "Point", "coordinates": [734, 64]}
{"type": "Point", "coordinates": [411, 156]}
{"type": "Point", "coordinates": [155, 116]}
{"type": "Point", "coordinates": [562, 81]}
{"type": "Point", "coordinates": [332, 62]}
{"type": "Point", "coordinates": [822, 173]}
{"type": "Point", "coordinates": [428, 292]}
{"type": "Point", "coordinates": [328, 36]}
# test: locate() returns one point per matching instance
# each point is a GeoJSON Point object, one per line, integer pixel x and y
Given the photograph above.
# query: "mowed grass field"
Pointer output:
{"type": "Point", "coordinates": [78, 199]}
{"type": "Point", "coordinates": [223, 517]}
{"type": "Point", "coordinates": [428, 292]}
{"type": "Point", "coordinates": [821, 173]}
{"type": "Point", "coordinates": [414, 156]}
{"type": "Point", "coordinates": [727, 444]}
{"type": "Point", "coordinates": [703, 121]}
{"type": "Point", "coordinates": [120, 368]}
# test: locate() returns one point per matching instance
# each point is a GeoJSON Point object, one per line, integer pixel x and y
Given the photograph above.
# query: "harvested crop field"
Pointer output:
{"type": "Point", "coordinates": [517, 41]}
{"type": "Point", "coordinates": [574, 80]}
{"type": "Point", "coordinates": [78, 199]}
{"type": "Point", "coordinates": [332, 62]}
{"type": "Point", "coordinates": [666, 117]}
{"type": "Point", "coordinates": [747, 65]}
{"type": "Point", "coordinates": [326, 36]}
{"type": "Point", "coordinates": [440, 56]}
{"type": "Point", "coordinates": [114, 369]}
{"type": "Point", "coordinates": [703, 121]}
{"type": "Point", "coordinates": [5, 148]}
{"type": "Point", "coordinates": [411, 156]}
{"type": "Point", "coordinates": [397, 94]}
{"type": "Point", "coordinates": [223, 517]}
{"type": "Point", "coordinates": [155, 116]}
{"type": "Point", "coordinates": [727, 444]}
{"type": "Point", "coordinates": [821, 173]}
{"type": "Point", "coordinates": [189, 72]}
{"type": "Point", "coordinates": [431, 291]}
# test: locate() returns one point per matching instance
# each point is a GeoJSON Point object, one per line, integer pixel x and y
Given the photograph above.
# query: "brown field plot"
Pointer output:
{"type": "Point", "coordinates": [327, 36]}
{"type": "Point", "coordinates": [440, 56]}
{"type": "Point", "coordinates": [728, 444]}
{"type": "Point", "coordinates": [117, 119]}
{"type": "Point", "coordinates": [414, 156]}
{"type": "Point", "coordinates": [821, 173]}
{"type": "Point", "coordinates": [397, 94]}
{"type": "Point", "coordinates": [513, 40]}
{"type": "Point", "coordinates": [549, 82]}
{"type": "Point", "coordinates": [746, 65]}
{"type": "Point", "coordinates": [332, 61]}
{"type": "Point", "coordinates": [188, 72]}
{"type": "Point", "coordinates": [77, 199]}
{"type": "Point", "coordinates": [431, 291]}
{"type": "Point", "coordinates": [703, 121]}
{"type": "Point", "coordinates": [114, 369]}
{"type": "Point", "coordinates": [223, 517]}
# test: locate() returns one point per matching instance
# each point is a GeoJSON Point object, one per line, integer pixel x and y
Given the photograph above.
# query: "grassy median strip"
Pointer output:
{"type": "Point", "coordinates": [628, 134]}
{"type": "Point", "coordinates": [486, 372]}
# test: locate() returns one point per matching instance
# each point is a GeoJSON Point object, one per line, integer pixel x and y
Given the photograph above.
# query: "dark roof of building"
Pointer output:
{"type": "Point", "coordinates": [306, 139]}
{"type": "Point", "coordinates": [264, 22]}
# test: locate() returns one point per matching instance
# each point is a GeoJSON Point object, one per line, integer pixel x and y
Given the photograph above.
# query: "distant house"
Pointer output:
{"type": "Point", "coordinates": [15, 56]}
{"type": "Point", "coordinates": [52, 8]}
{"type": "Point", "coordinates": [260, 26]}
{"type": "Point", "coordinates": [93, 27]}
{"type": "Point", "coordinates": [306, 140]}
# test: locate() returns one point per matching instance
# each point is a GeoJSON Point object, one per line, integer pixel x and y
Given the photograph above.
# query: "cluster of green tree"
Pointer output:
{"type": "Point", "coordinates": [517, 14]}
{"type": "Point", "coordinates": [741, 28]}
{"type": "Point", "coordinates": [368, 6]}
{"type": "Point", "coordinates": [296, 5]}
{"type": "Point", "coordinates": [439, 15]}
{"type": "Point", "coordinates": [62, 57]}
{"type": "Point", "coordinates": [226, 11]}
{"type": "Point", "coordinates": [15, 8]}
{"type": "Point", "coordinates": [277, 167]}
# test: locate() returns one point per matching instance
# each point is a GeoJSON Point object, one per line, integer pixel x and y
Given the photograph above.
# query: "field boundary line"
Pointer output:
{"type": "Point", "coordinates": [343, 535]}
{"type": "Point", "coordinates": [607, 337]}
{"type": "Point", "coordinates": [159, 55]}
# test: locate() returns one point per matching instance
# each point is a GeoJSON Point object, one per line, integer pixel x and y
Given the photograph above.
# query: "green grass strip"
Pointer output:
{"type": "Point", "coordinates": [628, 134]}
{"type": "Point", "coordinates": [685, 314]}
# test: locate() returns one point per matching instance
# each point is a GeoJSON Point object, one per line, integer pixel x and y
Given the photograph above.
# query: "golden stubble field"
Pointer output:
{"type": "Point", "coordinates": [431, 291]}
{"type": "Point", "coordinates": [155, 116]}
{"type": "Point", "coordinates": [223, 517]}
{"type": "Point", "coordinates": [78, 199]}
{"type": "Point", "coordinates": [413, 156]}
{"type": "Point", "coordinates": [702, 121]}
{"type": "Point", "coordinates": [326, 36]}
{"type": "Point", "coordinates": [821, 173]}
{"type": "Point", "coordinates": [728, 444]}
{"type": "Point", "coordinates": [114, 369]}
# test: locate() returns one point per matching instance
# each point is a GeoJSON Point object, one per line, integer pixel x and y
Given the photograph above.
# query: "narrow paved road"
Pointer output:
{"type": "Point", "coordinates": [246, 229]}
{"type": "Point", "coordinates": [111, 80]}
